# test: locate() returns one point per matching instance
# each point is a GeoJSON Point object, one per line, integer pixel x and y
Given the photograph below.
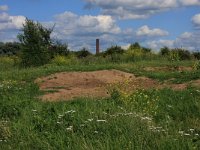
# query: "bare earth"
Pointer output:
{"type": "Point", "coordinates": [69, 85]}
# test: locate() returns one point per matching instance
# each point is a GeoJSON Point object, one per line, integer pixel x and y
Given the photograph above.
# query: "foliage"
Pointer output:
{"type": "Point", "coordinates": [135, 45]}
{"type": "Point", "coordinates": [35, 41]}
{"type": "Point", "coordinates": [59, 48]}
{"type": "Point", "coordinates": [141, 119]}
{"type": "Point", "coordinates": [184, 54]}
{"type": "Point", "coordinates": [9, 49]}
{"type": "Point", "coordinates": [63, 60]}
{"type": "Point", "coordinates": [136, 52]}
{"type": "Point", "coordinates": [83, 53]}
{"type": "Point", "coordinates": [196, 55]}
{"type": "Point", "coordinates": [196, 65]}
{"type": "Point", "coordinates": [164, 51]}
{"type": "Point", "coordinates": [113, 50]}
{"type": "Point", "coordinates": [174, 55]}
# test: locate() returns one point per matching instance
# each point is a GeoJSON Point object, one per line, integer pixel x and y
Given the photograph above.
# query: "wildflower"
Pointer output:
{"type": "Point", "coordinates": [101, 121]}
{"type": "Point", "coordinates": [192, 130]}
{"type": "Point", "coordinates": [82, 125]}
{"type": "Point", "coordinates": [60, 116]}
{"type": "Point", "coordinates": [58, 122]}
{"type": "Point", "coordinates": [70, 128]}
{"type": "Point", "coordinates": [181, 132]}
{"type": "Point", "coordinates": [146, 118]}
{"type": "Point", "coordinates": [196, 134]}
{"type": "Point", "coordinates": [33, 110]}
{"type": "Point", "coordinates": [186, 134]}
{"type": "Point", "coordinates": [70, 111]}
{"type": "Point", "coordinates": [169, 106]}
{"type": "Point", "coordinates": [96, 132]}
{"type": "Point", "coordinates": [90, 120]}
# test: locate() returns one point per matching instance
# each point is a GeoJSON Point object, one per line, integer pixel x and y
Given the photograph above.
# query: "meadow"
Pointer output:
{"type": "Point", "coordinates": [143, 119]}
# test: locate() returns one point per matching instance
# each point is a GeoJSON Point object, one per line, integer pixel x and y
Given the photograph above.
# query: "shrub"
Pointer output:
{"type": "Point", "coordinates": [135, 52]}
{"type": "Point", "coordinates": [135, 45]}
{"type": "Point", "coordinates": [196, 65]}
{"type": "Point", "coordinates": [174, 55]}
{"type": "Point", "coordinates": [9, 49]}
{"type": "Point", "coordinates": [184, 54]}
{"type": "Point", "coordinates": [63, 60]}
{"type": "Point", "coordinates": [113, 50]}
{"type": "Point", "coordinates": [196, 55]}
{"type": "Point", "coordinates": [35, 41]}
{"type": "Point", "coordinates": [59, 49]}
{"type": "Point", "coordinates": [83, 53]}
{"type": "Point", "coordinates": [164, 51]}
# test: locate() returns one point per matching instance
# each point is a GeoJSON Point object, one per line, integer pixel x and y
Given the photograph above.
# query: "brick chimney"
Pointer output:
{"type": "Point", "coordinates": [97, 46]}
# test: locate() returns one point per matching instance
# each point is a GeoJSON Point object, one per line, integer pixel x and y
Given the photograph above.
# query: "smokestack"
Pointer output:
{"type": "Point", "coordinates": [97, 46]}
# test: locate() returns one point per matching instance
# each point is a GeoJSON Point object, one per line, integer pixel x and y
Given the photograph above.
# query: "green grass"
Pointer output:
{"type": "Point", "coordinates": [152, 119]}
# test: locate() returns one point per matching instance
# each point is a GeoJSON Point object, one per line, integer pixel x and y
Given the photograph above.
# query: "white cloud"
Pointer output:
{"type": "Point", "coordinates": [187, 40]}
{"type": "Point", "coordinates": [146, 31]}
{"type": "Point", "coordinates": [190, 2]}
{"type": "Point", "coordinates": [72, 23]}
{"type": "Point", "coordinates": [83, 30]}
{"type": "Point", "coordinates": [11, 22]}
{"type": "Point", "coordinates": [156, 45]}
{"type": "Point", "coordinates": [196, 20]}
{"type": "Point", "coordinates": [137, 9]}
{"type": "Point", "coordinates": [3, 7]}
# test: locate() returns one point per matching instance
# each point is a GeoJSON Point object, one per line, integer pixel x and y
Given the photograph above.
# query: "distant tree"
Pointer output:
{"type": "Point", "coordinates": [135, 45]}
{"type": "Point", "coordinates": [9, 48]}
{"type": "Point", "coordinates": [164, 51]}
{"type": "Point", "coordinates": [58, 48]}
{"type": "Point", "coordinates": [196, 55]}
{"type": "Point", "coordinates": [83, 53]}
{"type": "Point", "coordinates": [146, 50]}
{"type": "Point", "coordinates": [35, 41]}
{"type": "Point", "coordinates": [114, 50]}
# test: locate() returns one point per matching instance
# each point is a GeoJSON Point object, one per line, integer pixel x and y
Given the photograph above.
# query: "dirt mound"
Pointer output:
{"type": "Point", "coordinates": [68, 85]}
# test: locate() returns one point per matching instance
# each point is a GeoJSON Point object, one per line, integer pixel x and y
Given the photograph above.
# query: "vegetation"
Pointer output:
{"type": "Point", "coordinates": [35, 41]}
{"type": "Point", "coordinates": [140, 119]}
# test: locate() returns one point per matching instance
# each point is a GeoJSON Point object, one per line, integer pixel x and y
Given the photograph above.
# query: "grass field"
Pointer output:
{"type": "Point", "coordinates": [145, 119]}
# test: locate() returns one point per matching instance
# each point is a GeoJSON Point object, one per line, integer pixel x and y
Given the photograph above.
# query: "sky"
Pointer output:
{"type": "Point", "coordinates": [152, 23]}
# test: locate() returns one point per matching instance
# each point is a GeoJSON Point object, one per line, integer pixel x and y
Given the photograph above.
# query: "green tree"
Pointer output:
{"type": "Point", "coordinates": [164, 51]}
{"type": "Point", "coordinates": [35, 41]}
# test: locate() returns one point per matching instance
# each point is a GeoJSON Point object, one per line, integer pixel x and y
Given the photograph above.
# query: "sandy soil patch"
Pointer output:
{"type": "Point", "coordinates": [68, 85]}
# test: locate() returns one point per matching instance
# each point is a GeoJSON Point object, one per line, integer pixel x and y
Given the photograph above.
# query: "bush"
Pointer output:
{"type": "Point", "coordinates": [113, 50]}
{"type": "Point", "coordinates": [83, 53]}
{"type": "Point", "coordinates": [184, 54]}
{"type": "Point", "coordinates": [196, 55]}
{"type": "Point", "coordinates": [174, 55]}
{"type": "Point", "coordinates": [63, 60]}
{"type": "Point", "coordinates": [136, 52]}
{"type": "Point", "coordinates": [59, 49]}
{"type": "Point", "coordinates": [9, 49]}
{"type": "Point", "coordinates": [35, 41]}
{"type": "Point", "coordinates": [196, 65]}
{"type": "Point", "coordinates": [164, 51]}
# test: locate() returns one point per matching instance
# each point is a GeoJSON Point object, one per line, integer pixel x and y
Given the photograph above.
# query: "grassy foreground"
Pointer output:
{"type": "Point", "coordinates": [152, 119]}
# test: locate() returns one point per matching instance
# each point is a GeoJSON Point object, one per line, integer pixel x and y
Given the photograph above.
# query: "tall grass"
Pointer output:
{"type": "Point", "coordinates": [145, 119]}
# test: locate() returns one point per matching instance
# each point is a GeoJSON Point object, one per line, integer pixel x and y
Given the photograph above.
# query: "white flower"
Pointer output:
{"type": "Point", "coordinates": [90, 119]}
{"type": "Point", "coordinates": [96, 132]}
{"type": "Point", "coordinates": [101, 121]}
{"type": "Point", "coordinates": [70, 128]}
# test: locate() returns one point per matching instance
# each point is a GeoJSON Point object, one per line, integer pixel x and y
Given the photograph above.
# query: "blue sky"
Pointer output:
{"type": "Point", "coordinates": [153, 23]}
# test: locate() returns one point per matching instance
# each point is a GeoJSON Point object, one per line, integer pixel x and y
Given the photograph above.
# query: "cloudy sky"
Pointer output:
{"type": "Point", "coordinates": [153, 23]}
